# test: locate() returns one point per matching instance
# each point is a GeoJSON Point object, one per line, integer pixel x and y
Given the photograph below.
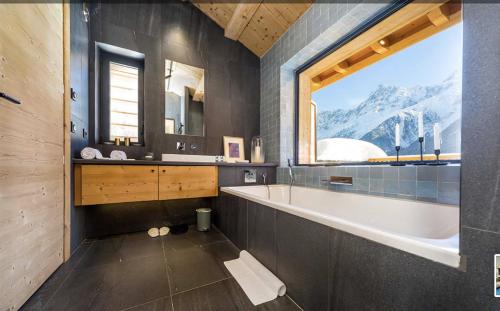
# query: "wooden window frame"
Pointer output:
{"type": "Point", "coordinates": [397, 27]}
{"type": "Point", "coordinates": [105, 58]}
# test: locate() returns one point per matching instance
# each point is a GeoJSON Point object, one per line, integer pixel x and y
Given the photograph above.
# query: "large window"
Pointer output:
{"type": "Point", "coordinates": [121, 98]}
{"type": "Point", "coordinates": [390, 78]}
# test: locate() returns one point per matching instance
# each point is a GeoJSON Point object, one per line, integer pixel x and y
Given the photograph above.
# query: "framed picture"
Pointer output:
{"type": "Point", "coordinates": [234, 149]}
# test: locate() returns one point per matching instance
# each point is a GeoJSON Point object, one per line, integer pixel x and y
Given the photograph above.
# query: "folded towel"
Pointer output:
{"type": "Point", "coordinates": [88, 153]}
{"type": "Point", "coordinates": [118, 155]}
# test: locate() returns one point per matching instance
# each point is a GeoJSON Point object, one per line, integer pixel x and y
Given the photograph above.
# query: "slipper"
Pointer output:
{"type": "Point", "coordinates": [153, 232]}
{"type": "Point", "coordinates": [164, 231]}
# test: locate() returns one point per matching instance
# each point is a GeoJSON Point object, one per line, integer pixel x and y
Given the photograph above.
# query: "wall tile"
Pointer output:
{"type": "Point", "coordinates": [408, 173]}
{"type": "Point", "coordinates": [428, 173]}
{"type": "Point", "coordinates": [261, 234]}
{"type": "Point", "coordinates": [426, 190]}
{"type": "Point", "coordinates": [448, 192]}
{"type": "Point", "coordinates": [302, 260]}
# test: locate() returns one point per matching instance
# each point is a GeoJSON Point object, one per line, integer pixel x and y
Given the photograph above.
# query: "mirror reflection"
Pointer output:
{"type": "Point", "coordinates": [184, 98]}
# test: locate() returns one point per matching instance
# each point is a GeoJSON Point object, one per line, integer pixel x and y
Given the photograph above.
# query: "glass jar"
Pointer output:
{"type": "Point", "coordinates": [257, 152]}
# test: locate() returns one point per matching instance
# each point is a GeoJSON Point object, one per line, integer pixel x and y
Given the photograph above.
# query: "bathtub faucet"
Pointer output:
{"type": "Point", "coordinates": [292, 180]}
{"type": "Point", "coordinates": [264, 177]}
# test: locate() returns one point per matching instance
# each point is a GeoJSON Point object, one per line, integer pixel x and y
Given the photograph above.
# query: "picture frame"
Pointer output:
{"type": "Point", "coordinates": [234, 149]}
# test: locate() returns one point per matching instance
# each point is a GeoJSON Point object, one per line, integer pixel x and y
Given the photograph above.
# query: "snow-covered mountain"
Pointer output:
{"type": "Point", "coordinates": [374, 119]}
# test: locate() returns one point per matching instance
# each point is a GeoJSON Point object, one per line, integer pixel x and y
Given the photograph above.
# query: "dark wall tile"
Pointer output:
{"type": "Point", "coordinates": [231, 218]}
{"type": "Point", "coordinates": [370, 276]}
{"type": "Point", "coordinates": [302, 260]}
{"type": "Point", "coordinates": [480, 118]}
{"type": "Point", "coordinates": [261, 234]}
{"type": "Point", "coordinates": [479, 247]}
{"type": "Point", "coordinates": [179, 31]}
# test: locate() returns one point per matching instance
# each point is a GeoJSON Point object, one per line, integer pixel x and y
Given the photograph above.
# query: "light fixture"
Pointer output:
{"type": "Point", "coordinates": [382, 42]}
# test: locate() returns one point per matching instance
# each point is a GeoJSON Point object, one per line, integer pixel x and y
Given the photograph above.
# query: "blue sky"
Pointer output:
{"type": "Point", "coordinates": [425, 63]}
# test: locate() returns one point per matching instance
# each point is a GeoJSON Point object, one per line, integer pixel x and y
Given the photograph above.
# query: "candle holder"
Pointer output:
{"type": "Point", "coordinates": [397, 158]}
{"type": "Point", "coordinates": [437, 152]}
{"type": "Point", "coordinates": [421, 141]}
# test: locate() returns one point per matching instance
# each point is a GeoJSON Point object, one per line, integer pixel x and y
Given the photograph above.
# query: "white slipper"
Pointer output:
{"type": "Point", "coordinates": [153, 232]}
{"type": "Point", "coordinates": [164, 231]}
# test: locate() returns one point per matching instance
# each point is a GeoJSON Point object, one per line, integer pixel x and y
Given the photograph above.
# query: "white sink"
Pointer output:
{"type": "Point", "coordinates": [173, 157]}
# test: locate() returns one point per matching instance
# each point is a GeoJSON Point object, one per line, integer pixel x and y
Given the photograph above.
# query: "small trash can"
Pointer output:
{"type": "Point", "coordinates": [203, 219]}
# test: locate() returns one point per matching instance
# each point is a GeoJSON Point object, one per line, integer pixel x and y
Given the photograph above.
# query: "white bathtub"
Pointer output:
{"type": "Point", "coordinates": [429, 230]}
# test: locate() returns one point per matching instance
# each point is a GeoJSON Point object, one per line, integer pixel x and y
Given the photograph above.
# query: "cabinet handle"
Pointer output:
{"type": "Point", "coordinates": [164, 171]}
{"type": "Point", "coordinates": [152, 171]}
{"type": "Point", "coordinates": [10, 98]}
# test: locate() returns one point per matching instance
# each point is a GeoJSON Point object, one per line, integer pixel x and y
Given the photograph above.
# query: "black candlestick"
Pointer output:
{"type": "Point", "coordinates": [421, 141]}
{"type": "Point", "coordinates": [437, 152]}
{"type": "Point", "coordinates": [397, 158]}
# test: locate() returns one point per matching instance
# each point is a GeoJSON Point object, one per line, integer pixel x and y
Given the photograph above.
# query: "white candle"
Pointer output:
{"type": "Point", "coordinates": [398, 136]}
{"type": "Point", "coordinates": [420, 124]}
{"type": "Point", "coordinates": [437, 136]}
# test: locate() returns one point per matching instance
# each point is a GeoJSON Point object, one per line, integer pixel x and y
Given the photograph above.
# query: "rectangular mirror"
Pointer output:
{"type": "Point", "coordinates": [184, 99]}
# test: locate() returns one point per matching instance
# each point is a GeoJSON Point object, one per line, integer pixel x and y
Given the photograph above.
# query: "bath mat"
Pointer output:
{"type": "Point", "coordinates": [259, 284]}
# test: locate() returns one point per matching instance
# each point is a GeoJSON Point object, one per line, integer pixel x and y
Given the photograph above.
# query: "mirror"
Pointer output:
{"type": "Point", "coordinates": [184, 99]}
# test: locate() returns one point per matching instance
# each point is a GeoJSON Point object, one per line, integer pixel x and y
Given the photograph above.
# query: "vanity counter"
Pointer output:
{"type": "Point", "coordinates": [166, 163]}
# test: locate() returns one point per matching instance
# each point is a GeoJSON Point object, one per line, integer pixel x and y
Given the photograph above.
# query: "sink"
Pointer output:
{"type": "Point", "coordinates": [174, 157]}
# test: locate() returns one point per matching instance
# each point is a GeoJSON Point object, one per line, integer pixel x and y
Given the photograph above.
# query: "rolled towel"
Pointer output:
{"type": "Point", "coordinates": [164, 231]}
{"type": "Point", "coordinates": [153, 232]}
{"type": "Point", "coordinates": [118, 155]}
{"type": "Point", "coordinates": [88, 153]}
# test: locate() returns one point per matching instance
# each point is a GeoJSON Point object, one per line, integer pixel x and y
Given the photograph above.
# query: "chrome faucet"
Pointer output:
{"type": "Point", "coordinates": [264, 177]}
{"type": "Point", "coordinates": [292, 180]}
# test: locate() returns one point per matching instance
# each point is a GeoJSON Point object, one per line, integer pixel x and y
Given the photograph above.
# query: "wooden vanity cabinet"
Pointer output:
{"type": "Point", "coordinates": [182, 182]}
{"type": "Point", "coordinates": [102, 184]}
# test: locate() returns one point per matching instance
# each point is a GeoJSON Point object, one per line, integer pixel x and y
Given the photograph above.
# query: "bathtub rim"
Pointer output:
{"type": "Point", "coordinates": [437, 250]}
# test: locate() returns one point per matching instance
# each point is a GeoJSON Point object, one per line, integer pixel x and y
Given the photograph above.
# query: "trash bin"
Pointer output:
{"type": "Point", "coordinates": [203, 219]}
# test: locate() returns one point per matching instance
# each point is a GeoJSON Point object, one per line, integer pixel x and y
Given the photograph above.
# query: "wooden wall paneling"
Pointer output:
{"type": "Point", "coordinates": [31, 161]}
{"type": "Point", "coordinates": [67, 131]}
{"type": "Point", "coordinates": [102, 184]}
{"type": "Point", "coordinates": [182, 182]}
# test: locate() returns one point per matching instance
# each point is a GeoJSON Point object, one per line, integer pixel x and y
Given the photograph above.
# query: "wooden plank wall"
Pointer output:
{"type": "Point", "coordinates": [31, 154]}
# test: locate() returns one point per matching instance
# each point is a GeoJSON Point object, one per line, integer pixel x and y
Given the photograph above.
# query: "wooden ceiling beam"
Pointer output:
{"type": "Point", "coordinates": [381, 46]}
{"type": "Point", "coordinates": [439, 16]}
{"type": "Point", "coordinates": [240, 19]}
{"type": "Point", "coordinates": [341, 67]}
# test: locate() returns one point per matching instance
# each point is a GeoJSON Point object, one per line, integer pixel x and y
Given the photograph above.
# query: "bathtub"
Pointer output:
{"type": "Point", "coordinates": [429, 230]}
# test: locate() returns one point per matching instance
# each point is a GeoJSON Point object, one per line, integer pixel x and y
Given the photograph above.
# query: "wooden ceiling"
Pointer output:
{"type": "Point", "coordinates": [257, 25]}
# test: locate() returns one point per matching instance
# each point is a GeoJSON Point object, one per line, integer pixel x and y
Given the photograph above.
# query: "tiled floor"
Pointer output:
{"type": "Point", "coordinates": [135, 272]}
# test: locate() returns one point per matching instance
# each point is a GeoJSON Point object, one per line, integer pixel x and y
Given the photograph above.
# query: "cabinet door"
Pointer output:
{"type": "Point", "coordinates": [181, 182]}
{"type": "Point", "coordinates": [102, 184]}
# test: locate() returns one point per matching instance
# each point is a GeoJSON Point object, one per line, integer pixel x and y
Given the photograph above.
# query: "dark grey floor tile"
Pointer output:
{"type": "Point", "coordinates": [103, 251]}
{"type": "Point", "coordinates": [55, 281]}
{"type": "Point", "coordinates": [162, 304]}
{"type": "Point", "coordinates": [192, 267]}
{"type": "Point", "coordinates": [192, 238]}
{"type": "Point", "coordinates": [225, 295]}
{"type": "Point", "coordinates": [113, 286]}
{"type": "Point", "coordinates": [121, 247]}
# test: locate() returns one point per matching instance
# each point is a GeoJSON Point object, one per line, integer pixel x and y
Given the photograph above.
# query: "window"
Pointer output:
{"type": "Point", "coordinates": [121, 97]}
{"type": "Point", "coordinates": [407, 68]}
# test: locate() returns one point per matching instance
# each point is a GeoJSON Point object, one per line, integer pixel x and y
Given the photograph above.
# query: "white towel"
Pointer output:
{"type": "Point", "coordinates": [118, 155]}
{"type": "Point", "coordinates": [258, 283]}
{"type": "Point", "coordinates": [88, 153]}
